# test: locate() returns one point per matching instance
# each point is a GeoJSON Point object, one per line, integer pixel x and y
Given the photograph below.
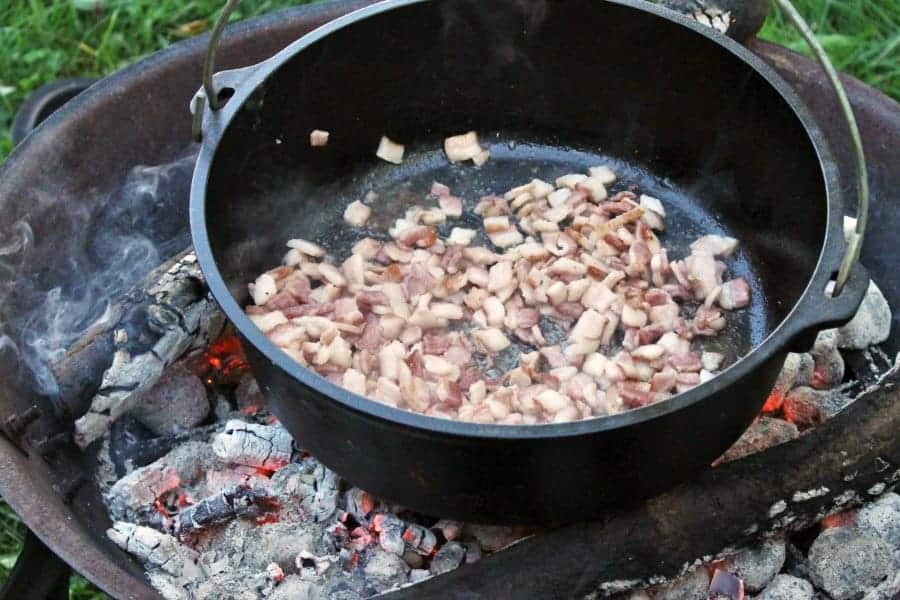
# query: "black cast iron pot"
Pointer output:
{"type": "Point", "coordinates": [687, 114]}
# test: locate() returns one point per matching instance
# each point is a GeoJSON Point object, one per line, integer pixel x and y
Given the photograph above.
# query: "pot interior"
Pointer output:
{"type": "Point", "coordinates": [556, 88]}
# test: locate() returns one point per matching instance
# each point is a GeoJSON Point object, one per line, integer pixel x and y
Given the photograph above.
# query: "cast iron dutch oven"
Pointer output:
{"type": "Point", "coordinates": [553, 86]}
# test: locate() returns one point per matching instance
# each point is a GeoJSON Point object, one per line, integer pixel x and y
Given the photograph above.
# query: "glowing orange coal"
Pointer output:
{"type": "Point", "coordinates": [773, 402]}
{"type": "Point", "coordinates": [841, 519]}
{"type": "Point", "coordinates": [223, 363]}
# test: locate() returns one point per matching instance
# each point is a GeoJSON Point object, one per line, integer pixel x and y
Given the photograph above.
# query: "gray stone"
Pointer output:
{"type": "Point", "coordinates": [385, 570]}
{"type": "Point", "coordinates": [845, 562]}
{"type": "Point", "coordinates": [693, 585]}
{"type": "Point", "coordinates": [882, 519]}
{"type": "Point", "coordinates": [449, 557]}
{"type": "Point", "coordinates": [176, 402]}
{"type": "Point", "coordinates": [787, 587]}
{"type": "Point", "coordinates": [797, 370]}
{"type": "Point", "coordinates": [757, 566]}
{"type": "Point", "coordinates": [764, 433]}
{"type": "Point", "coordinates": [871, 325]}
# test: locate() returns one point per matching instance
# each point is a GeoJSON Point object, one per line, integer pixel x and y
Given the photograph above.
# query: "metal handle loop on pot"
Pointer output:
{"type": "Point", "coordinates": [855, 241]}
{"type": "Point", "coordinates": [209, 96]}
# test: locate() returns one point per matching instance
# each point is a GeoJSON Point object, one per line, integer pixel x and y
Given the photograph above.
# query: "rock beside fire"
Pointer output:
{"type": "Point", "coordinates": [871, 325]}
{"type": "Point", "coordinates": [787, 587]}
{"type": "Point", "coordinates": [757, 566]}
{"type": "Point", "coordinates": [846, 562]}
{"type": "Point", "coordinates": [176, 402]}
{"type": "Point", "coordinates": [882, 519]}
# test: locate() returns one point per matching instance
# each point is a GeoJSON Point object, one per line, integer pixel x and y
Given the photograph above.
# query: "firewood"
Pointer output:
{"type": "Point", "coordinates": [169, 313]}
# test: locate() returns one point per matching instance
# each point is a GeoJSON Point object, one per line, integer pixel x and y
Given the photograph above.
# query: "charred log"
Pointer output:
{"type": "Point", "coordinates": [168, 314]}
{"type": "Point", "coordinates": [240, 502]}
{"type": "Point", "coordinates": [786, 488]}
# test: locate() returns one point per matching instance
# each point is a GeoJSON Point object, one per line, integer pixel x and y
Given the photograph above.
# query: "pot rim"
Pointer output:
{"type": "Point", "coordinates": [216, 125]}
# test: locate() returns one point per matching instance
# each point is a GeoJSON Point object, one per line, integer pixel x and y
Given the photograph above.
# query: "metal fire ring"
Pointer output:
{"type": "Point", "coordinates": [209, 97]}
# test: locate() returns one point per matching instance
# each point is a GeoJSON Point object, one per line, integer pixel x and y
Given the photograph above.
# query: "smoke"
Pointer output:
{"type": "Point", "coordinates": [63, 270]}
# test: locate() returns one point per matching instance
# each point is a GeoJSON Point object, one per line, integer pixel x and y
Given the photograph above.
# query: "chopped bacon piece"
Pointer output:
{"type": "Point", "coordinates": [367, 299]}
{"type": "Point", "coordinates": [435, 343]}
{"type": "Point", "coordinates": [417, 281]}
{"type": "Point", "coordinates": [439, 190]}
{"type": "Point", "coordinates": [687, 362]}
{"type": "Point", "coordinates": [734, 294]}
{"type": "Point", "coordinates": [371, 338]}
{"type": "Point", "coordinates": [715, 245]}
{"type": "Point", "coordinates": [420, 236]}
{"type": "Point", "coordinates": [451, 205]}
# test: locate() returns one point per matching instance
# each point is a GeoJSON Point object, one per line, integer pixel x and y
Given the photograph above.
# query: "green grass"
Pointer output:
{"type": "Point", "coordinates": [44, 40]}
{"type": "Point", "coordinates": [862, 37]}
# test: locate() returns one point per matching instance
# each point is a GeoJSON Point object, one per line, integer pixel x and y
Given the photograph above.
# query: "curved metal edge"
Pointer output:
{"type": "Point", "coordinates": [854, 246]}
{"type": "Point", "coordinates": [778, 339]}
{"type": "Point", "coordinates": [31, 113]}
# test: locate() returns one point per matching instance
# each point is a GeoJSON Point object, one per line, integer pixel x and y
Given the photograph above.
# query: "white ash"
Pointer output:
{"type": "Point", "coordinates": [809, 494]}
{"type": "Point", "coordinates": [201, 520]}
{"type": "Point", "coordinates": [160, 550]}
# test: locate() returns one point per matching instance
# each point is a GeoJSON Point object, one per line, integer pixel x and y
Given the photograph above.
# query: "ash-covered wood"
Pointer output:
{"type": "Point", "coordinates": [253, 445]}
{"type": "Point", "coordinates": [240, 502]}
{"type": "Point", "coordinates": [168, 314]}
{"type": "Point", "coordinates": [786, 488]}
{"type": "Point", "coordinates": [153, 547]}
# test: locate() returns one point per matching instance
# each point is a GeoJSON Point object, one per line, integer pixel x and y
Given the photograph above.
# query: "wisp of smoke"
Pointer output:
{"type": "Point", "coordinates": [54, 289]}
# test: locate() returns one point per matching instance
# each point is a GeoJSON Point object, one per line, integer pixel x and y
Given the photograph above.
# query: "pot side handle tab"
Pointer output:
{"type": "Point", "coordinates": [210, 97]}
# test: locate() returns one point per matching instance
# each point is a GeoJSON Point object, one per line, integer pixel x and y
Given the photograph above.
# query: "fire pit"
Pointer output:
{"type": "Point", "coordinates": [184, 475]}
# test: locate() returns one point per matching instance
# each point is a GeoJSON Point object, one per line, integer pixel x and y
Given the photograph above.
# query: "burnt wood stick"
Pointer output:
{"type": "Point", "coordinates": [788, 487]}
{"type": "Point", "coordinates": [79, 372]}
{"type": "Point", "coordinates": [173, 314]}
{"type": "Point", "coordinates": [239, 502]}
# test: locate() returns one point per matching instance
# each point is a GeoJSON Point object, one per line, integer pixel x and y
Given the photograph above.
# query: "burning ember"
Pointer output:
{"type": "Point", "coordinates": [223, 363]}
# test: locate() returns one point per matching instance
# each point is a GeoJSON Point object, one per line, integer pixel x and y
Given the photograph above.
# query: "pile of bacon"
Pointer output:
{"type": "Point", "coordinates": [427, 324]}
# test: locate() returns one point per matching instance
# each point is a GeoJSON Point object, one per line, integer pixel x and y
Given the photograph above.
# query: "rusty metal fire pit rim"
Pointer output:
{"type": "Point", "coordinates": [813, 310]}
